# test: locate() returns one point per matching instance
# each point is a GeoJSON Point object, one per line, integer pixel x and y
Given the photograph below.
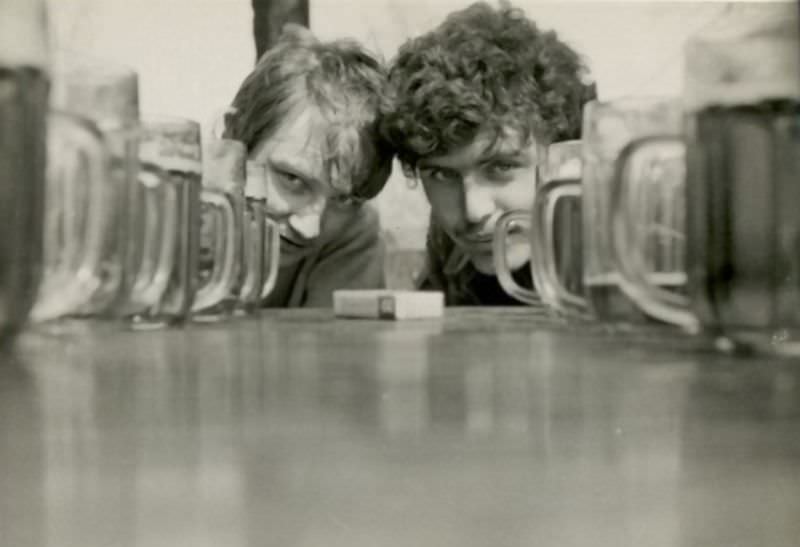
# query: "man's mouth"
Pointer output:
{"type": "Point", "coordinates": [291, 239]}
{"type": "Point", "coordinates": [484, 242]}
{"type": "Point", "coordinates": [479, 242]}
{"type": "Point", "coordinates": [288, 243]}
{"type": "Point", "coordinates": [515, 229]}
{"type": "Point", "coordinates": [481, 238]}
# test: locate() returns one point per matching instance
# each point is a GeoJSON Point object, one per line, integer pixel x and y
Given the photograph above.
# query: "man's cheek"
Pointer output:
{"type": "Point", "coordinates": [277, 206]}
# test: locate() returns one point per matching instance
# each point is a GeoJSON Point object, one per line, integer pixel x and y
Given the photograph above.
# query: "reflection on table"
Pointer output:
{"type": "Point", "coordinates": [482, 429]}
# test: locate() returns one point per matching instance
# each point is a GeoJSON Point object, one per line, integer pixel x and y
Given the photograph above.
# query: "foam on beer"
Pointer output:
{"type": "Point", "coordinates": [748, 60]}
{"type": "Point", "coordinates": [153, 152]}
{"type": "Point", "coordinates": [101, 90]}
{"type": "Point", "coordinates": [23, 34]}
{"type": "Point", "coordinates": [224, 165]}
{"type": "Point", "coordinates": [256, 183]}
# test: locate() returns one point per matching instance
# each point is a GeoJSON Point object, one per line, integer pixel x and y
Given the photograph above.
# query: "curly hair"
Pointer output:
{"type": "Point", "coordinates": [483, 68]}
{"type": "Point", "coordinates": [342, 84]}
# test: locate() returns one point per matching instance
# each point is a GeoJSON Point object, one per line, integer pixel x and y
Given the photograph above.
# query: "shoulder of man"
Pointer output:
{"type": "Point", "coordinates": [441, 251]}
{"type": "Point", "coordinates": [438, 247]}
{"type": "Point", "coordinates": [352, 258]}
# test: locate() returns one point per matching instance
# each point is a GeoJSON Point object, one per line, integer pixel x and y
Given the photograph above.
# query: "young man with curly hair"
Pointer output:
{"type": "Point", "coordinates": [475, 103]}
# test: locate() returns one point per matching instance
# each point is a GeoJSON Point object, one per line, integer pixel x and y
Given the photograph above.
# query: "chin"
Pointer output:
{"type": "Point", "coordinates": [292, 253]}
{"type": "Point", "coordinates": [484, 264]}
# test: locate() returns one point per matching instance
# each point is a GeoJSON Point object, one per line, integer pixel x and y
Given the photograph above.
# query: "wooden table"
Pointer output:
{"type": "Point", "coordinates": [484, 429]}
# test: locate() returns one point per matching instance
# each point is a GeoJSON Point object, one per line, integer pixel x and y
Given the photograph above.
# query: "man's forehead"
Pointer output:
{"type": "Point", "coordinates": [506, 143]}
{"type": "Point", "coordinates": [487, 144]}
{"type": "Point", "coordinates": [300, 132]}
{"type": "Point", "coordinates": [297, 152]}
{"type": "Point", "coordinates": [297, 143]}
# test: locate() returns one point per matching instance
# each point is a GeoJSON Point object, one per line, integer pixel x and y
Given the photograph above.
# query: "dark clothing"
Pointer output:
{"type": "Point", "coordinates": [483, 290]}
{"type": "Point", "coordinates": [466, 287]}
{"type": "Point", "coordinates": [351, 258]}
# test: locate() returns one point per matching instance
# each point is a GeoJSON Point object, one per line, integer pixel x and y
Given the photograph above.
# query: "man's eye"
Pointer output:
{"type": "Point", "coordinates": [292, 182]}
{"type": "Point", "coordinates": [500, 171]}
{"type": "Point", "coordinates": [438, 175]}
{"type": "Point", "coordinates": [501, 167]}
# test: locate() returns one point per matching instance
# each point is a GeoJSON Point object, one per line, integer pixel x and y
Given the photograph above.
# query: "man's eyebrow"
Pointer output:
{"type": "Point", "coordinates": [503, 148]}
{"type": "Point", "coordinates": [509, 154]}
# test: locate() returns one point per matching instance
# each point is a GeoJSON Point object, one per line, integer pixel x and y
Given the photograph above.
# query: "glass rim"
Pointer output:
{"type": "Point", "coordinates": [217, 145]}
{"type": "Point", "coordinates": [66, 61]}
{"type": "Point", "coordinates": [633, 102]}
{"type": "Point", "coordinates": [156, 120]}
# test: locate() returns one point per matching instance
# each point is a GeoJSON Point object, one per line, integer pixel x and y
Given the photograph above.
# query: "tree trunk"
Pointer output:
{"type": "Point", "coordinates": [269, 16]}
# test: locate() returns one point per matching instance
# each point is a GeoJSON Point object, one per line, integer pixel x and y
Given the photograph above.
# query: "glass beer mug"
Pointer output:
{"type": "Point", "coordinates": [607, 128]}
{"type": "Point", "coordinates": [75, 216]}
{"type": "Point", "coordinates": [108, 95]}
{"type": "Point", "coordinates": [261, 242]}
{"type": "Point", "coordinates": [563, 160]}
{"type": "Point", "coordinates": [222, 264]}
{"type": "Point", "coordinates": [170, 155]}
{"type": "Point", "coordinates": [24, 85]}
{"type": "Point", "coordinates": [741, 138]}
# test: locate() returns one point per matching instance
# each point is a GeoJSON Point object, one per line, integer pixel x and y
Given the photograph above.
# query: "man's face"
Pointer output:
{"type": "Point", "coordinates": [301, 198]}
{"type": "Point", "coordinates": [471, 187]}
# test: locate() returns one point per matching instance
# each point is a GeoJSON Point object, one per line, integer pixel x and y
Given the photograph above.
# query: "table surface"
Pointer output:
{"type": "Point", "coordinates": [483, 429]}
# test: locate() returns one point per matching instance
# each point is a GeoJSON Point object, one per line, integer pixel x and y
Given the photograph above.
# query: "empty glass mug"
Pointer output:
{"type": "Point", "coordinates": [107, 94]}
{"type": "Point", "coordinates": [24, 85]}
{"type": "Point", "coordinates": [741, 139]}
{"type": "Point", "coordinates": [75, 216]}
{"type": "Point", "coordinates": [260, 236]}
{"type": "Point", "coordinates": [261, 242]}
{"type": "Point", "coordinates": [170, 153]}
{"type": "Point", "coordinates": [563, 159]}
{"type": "Point", "coordinates": [607, 128]}
{"type": "Point", "coordinates": [222, 269]}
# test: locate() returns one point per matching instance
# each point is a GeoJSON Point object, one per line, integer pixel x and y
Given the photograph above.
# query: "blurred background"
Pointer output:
{"type": "Point", "coordinates": [191, 55]}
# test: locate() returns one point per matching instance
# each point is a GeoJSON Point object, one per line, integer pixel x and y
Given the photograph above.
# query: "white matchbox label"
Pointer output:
{"type": "Point", "coordinates": [388, 304]}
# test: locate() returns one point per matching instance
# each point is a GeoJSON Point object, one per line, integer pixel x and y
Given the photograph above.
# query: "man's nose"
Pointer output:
{"type": "Point", "coordinates": [308, 223]}
{"type": "Point", "coordinates": [478, 202]}
{"type": "Point", "coordinates": [278, 209]}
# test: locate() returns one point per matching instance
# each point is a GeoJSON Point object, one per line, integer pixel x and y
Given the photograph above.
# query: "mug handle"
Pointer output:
{"type": "Point", "coordinates": [634, 280]}
{"type": "Point", "coordinates": [504, 225]}
{"type": "Point", "coordinates": [272, 239]}
{"type": "Point", "coordinates": [224, 272]}
{"type": "Point", "coordinates": [64, 290]}
{"type": "Point", "coordinates": [152, 278]}
{"type": "Point", "coordinates": [543, 256]}
{"type": "Point", "coordinates": [252, 240]}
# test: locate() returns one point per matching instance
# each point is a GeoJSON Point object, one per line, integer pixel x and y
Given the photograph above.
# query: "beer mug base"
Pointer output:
{"type": "Point", "coordinates": [246, 311]}
{"type": "Point", "coordinates": [218, 313]}
{"type": "Point", "coordinates": [784, 343]}
{"type": "Point", "coordinates": [138, 323]}
{"type": "Point", "coordinates": [210, 318]}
